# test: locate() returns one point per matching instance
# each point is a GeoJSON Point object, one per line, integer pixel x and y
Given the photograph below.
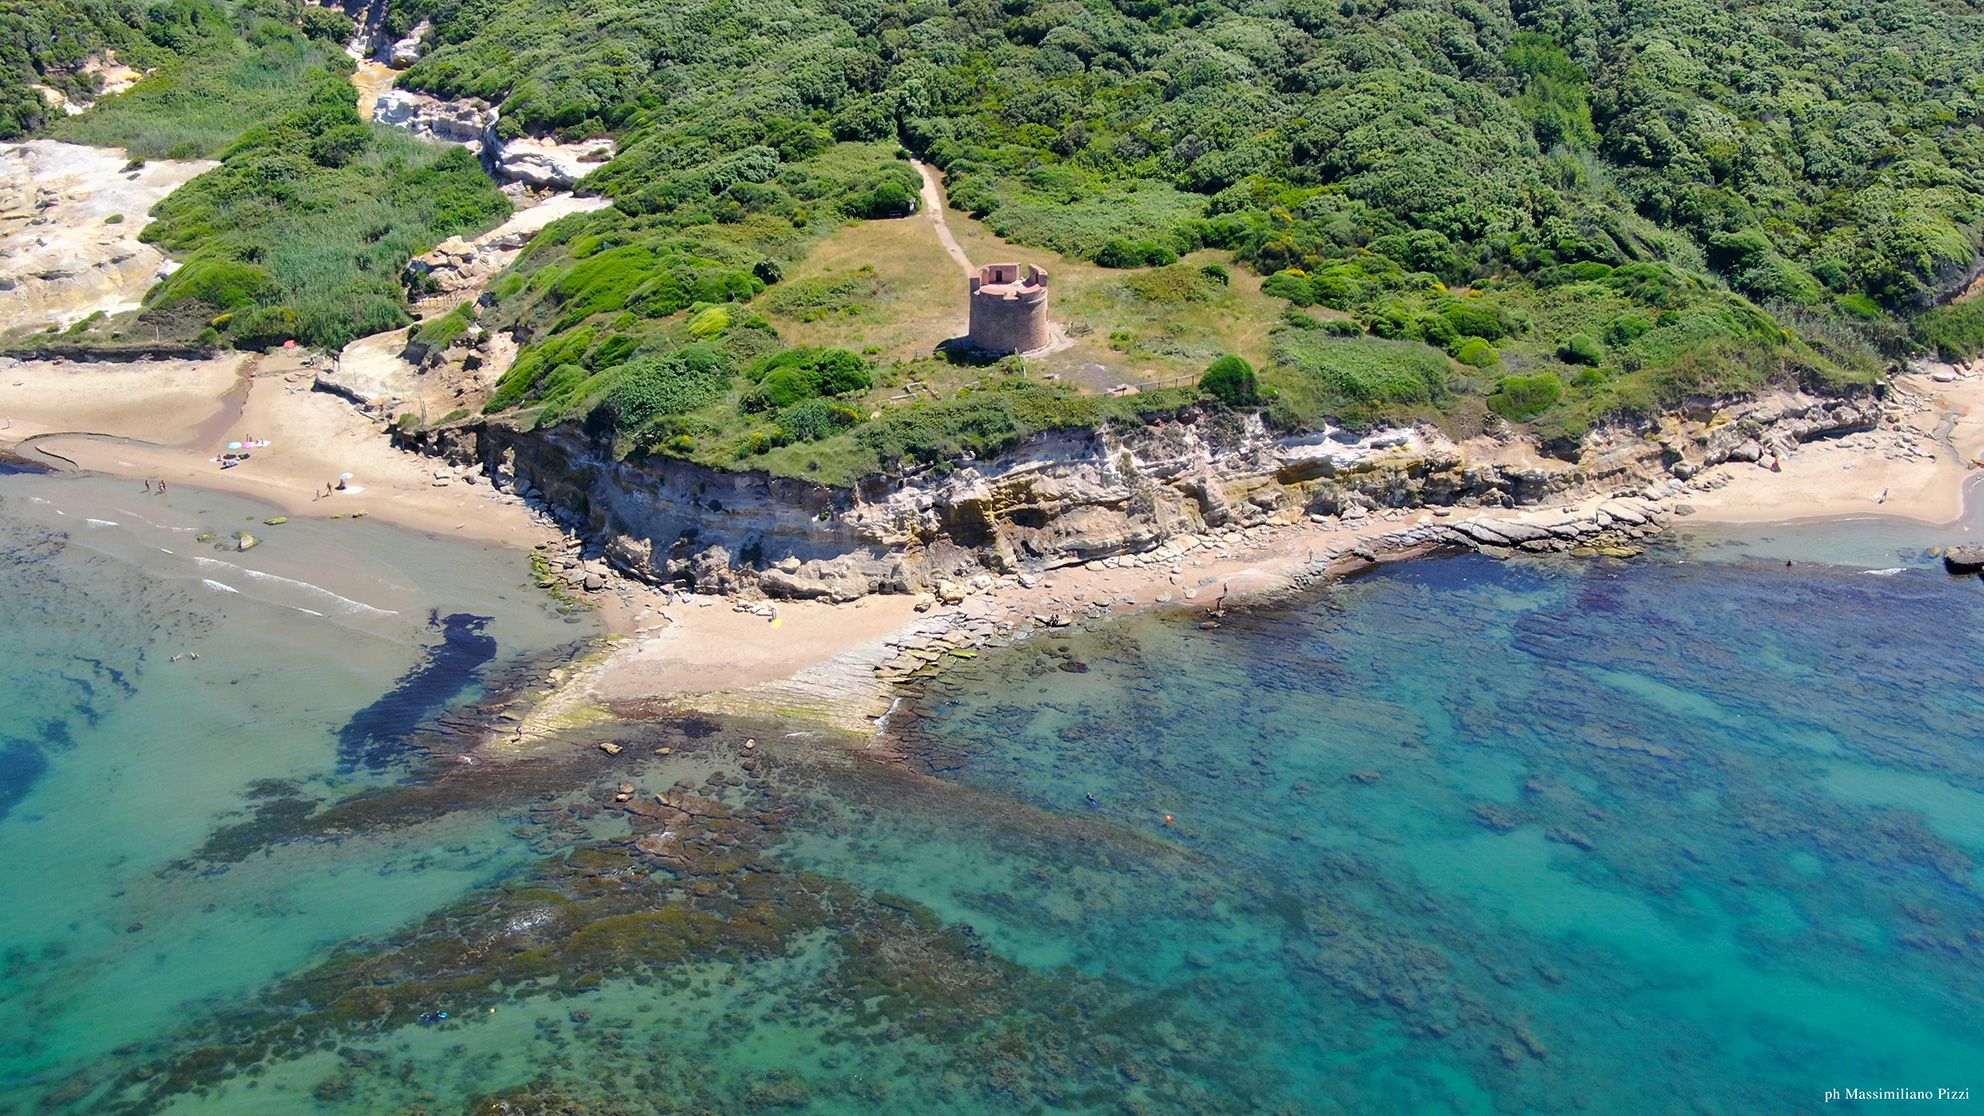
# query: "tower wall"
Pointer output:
{"type": "Point", "coordinates": [1009, 309]}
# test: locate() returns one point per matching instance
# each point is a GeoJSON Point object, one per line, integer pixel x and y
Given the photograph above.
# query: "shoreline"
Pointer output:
{"type": "Point", "coordinates": [168, 420]}
{"type": "Point", "coordinates": [668, 670]}
{"type": "Point", "coordinates": [666, 649]}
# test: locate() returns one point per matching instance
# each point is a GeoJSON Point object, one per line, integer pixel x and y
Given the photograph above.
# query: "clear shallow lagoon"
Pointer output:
{"type": "Point", "coordinates": [1695, 833]}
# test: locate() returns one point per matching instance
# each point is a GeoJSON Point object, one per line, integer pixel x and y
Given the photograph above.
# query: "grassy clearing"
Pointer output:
{"type": "Point", "coordinates": [1126, 326]}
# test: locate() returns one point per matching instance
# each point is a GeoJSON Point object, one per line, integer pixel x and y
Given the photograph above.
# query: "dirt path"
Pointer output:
{"type": "Point", "coordinates": [934, 205]}
{"type": "Point", "coordinates": [372, 79]}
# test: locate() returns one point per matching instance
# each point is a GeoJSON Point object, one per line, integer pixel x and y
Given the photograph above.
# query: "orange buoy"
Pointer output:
{"type": "Point", "coordinates": [1167, 819]}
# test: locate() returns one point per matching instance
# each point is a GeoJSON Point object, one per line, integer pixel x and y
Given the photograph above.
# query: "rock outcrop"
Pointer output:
{"type": "Point", "coordinates": [470, 123]}
{"type": "Point", "coordinates": [533, 161]}
{"type": "Point", "coordinates": [1964, 560]}
{"type": "Point", "coordinates": [405, 52]}
{"type": "Point", "coordinates": [549, 164]}
{"type": "Point", "coordinates": [69, 222]}
{"type": "Point", "coordinates": [1082, 496]}
{"type": "Point", "coordinates": [1113, 494]}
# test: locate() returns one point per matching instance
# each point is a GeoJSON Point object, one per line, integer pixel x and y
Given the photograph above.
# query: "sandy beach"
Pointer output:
{"type": "Point", "coordinates": [1915, 468]}
{"type": "Point", "coordinates": [169, 420]}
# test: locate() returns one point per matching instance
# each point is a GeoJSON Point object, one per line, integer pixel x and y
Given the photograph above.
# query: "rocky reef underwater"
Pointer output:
{"type": "Point", "coordinates": [1457, 835]}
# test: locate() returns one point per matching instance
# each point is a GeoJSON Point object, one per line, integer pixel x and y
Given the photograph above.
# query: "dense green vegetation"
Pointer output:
{"type": "Point", "coordinates": [1566, 212]}
{"type": "Point", "coordinates": [213, 69]}
{"type": "Point", "coordinates": [639, 317]}
{"type": "Point", "coordinates": [303, 230]}
{"type": "Point", "coordinates": [1551, 213]}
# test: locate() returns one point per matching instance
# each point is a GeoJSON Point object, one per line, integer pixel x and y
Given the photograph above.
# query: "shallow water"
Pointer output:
{"type": "Point", "coordinates": [120, 761]}
{"type": "Point", "coordinates": [1695, 833]}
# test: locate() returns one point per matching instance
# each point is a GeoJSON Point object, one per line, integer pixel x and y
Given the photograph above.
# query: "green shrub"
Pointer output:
{"type": "Point", "coordinates": [1581, 348]}
{"type": "Point", "coordinates": [1859, 306]}
{"type": "Point", "coordinates": [668, 384]}
{"type": "Point", "coordinates": [1955, 332]}
{"type": "Point", "coordinates": [1472, 319]}
{"type": "Point", "coordinates": [1625, 328]}
{"type": "Point", "coordinates": [1355, 379]}
{"type": "Point", "coordinates": [795, 375]}
{"type": "Point", "coordinates": [439, 333]}
{"type": "Point", "coordinates": [1476, 353]}
{"type": "Point", "coordinates": [1174, 284]}
{"type": "Point", "coordinates": [1231, 380]}
{"type": "Point", "coordinates": [1122, 252]}
{"type": "Point", "coordinates": [815, 419]}
{"type": "Point", "coordinates": [1521, 398]}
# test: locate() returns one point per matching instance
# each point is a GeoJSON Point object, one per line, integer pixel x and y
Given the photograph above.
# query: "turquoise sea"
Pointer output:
{"type": "Point", "coordinates": [1700, 832]}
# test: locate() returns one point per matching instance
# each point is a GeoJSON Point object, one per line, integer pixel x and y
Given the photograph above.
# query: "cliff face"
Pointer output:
{"type": "Point", "coordinates": [1067, 497]}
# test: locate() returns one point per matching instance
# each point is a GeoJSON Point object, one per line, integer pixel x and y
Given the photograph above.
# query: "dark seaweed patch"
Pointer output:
{"type": "Point", "coordinates": [21, 765]}
{"type": "Point", "coordinates": [379, 733]}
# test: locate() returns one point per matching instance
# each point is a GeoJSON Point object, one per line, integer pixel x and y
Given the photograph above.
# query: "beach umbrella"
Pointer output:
{"type": "Point", "coordinates": [234, 445]}
{"type": "Point", "coordinates": [344, 476]}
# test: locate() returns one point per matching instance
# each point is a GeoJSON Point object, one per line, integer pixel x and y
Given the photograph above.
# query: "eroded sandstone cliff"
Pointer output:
{"type": "Point", "coordinates": [1073, 496]}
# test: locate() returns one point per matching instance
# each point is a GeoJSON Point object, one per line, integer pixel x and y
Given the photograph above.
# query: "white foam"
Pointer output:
{"type": "Point", "coordinates": [1889, 572]}
{"type": "Point", "coordinates": [102, 523]}
{"type": "Point", "coordinates": [345, 604]}
{"type": "Point", "coordinates": [218, 587]}
{"type": "Point", "coordinates": [149, 523]}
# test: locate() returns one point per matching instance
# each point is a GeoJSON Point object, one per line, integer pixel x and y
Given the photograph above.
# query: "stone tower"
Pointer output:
{"type": "Point", "coordinates": [1008, 312]}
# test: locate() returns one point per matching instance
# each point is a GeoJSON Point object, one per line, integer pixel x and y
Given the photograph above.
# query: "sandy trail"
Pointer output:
{"type": "Point", "coordinates": [932, 195]}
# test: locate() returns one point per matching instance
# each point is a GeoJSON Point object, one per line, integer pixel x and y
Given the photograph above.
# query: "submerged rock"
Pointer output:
{"type": "Point", "coordinates": [1962, 560]}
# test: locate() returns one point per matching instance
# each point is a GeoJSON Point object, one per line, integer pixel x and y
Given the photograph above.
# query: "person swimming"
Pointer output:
{"type": "Point", "coordinates": [1092, 800]}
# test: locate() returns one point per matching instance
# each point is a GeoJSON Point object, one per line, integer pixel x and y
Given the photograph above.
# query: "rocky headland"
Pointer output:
{"type": "Point", "coordinates": [1078, 497]}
